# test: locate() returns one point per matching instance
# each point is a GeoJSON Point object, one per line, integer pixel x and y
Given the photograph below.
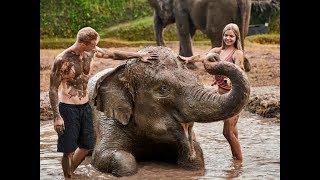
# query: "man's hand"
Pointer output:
{"type": "Point", "coordinates": [146, 57]}
{"type": "Point", "coordinates": [99, 53]}
{"type": "Point", "coordinates": [59, 125]}
{"type": "Point", "coordinates": [97, 49]}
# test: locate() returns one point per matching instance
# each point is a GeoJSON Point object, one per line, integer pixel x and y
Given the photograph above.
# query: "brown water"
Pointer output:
{"type": "Point", "coordinates": [259, 139]}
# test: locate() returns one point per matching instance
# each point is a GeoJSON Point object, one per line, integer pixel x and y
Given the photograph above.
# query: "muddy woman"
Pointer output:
{"type": "Point", "coordinates": [69, 99]}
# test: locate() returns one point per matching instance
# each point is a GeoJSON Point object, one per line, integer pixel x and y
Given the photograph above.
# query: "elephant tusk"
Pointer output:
{"type": "Point", "coordinates": [187, 129]}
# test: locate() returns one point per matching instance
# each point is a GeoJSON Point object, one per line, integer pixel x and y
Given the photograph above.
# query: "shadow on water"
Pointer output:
{"type": "Point", "coordinates": [259, 139]}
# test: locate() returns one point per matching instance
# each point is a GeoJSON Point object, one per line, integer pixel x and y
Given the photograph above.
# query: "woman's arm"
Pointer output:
{"type": "Point", "coordinates": [200, 57]}
{"type": "Point", "coordinates": [239, 58]}
{"type": "Point", "coordinates": [192, 59]}
{"type": "Point", "coordinates": [215, 50]}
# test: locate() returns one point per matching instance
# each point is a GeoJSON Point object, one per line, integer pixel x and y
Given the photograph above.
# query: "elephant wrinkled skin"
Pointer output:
{"type": "Point", "coordinates": [144, 104]}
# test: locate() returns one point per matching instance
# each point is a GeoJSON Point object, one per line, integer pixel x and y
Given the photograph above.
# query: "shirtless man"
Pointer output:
{"type": "Point", "coordinates": [69, 99]}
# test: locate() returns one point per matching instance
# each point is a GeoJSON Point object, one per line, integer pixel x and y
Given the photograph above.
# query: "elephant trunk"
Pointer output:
{"type": "Point", "coordinates": [206, 105]}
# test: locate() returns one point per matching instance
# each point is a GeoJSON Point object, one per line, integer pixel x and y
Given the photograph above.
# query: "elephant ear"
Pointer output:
{"type": "Point", "coordinates": [108, 95]}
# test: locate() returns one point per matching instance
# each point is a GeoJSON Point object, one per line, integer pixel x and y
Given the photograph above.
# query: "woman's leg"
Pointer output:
{"type": "Point", "coordinates": [230, 132]}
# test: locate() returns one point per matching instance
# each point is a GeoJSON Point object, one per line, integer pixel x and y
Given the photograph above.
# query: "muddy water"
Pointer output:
{"type": "Point", "coordinates": [259, 138]}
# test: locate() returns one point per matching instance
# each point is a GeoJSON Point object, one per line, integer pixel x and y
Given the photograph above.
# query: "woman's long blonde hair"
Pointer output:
{"type": "Point", "coordinates": [235, 29]}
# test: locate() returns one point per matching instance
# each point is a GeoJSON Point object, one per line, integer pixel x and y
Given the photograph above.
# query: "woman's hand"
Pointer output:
{"type": "Point", "coordinates": [191, 59]}
{"type": "Point", "coordinates": [185, 60]}
{"type": "Point", "coordinates": [213, 57]}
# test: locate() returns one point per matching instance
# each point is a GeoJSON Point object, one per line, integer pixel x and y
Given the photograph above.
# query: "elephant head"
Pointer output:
{"type": "Point", "coordinates": [165, 89]}
{"type": "Point", "coordinates": [164, 9]}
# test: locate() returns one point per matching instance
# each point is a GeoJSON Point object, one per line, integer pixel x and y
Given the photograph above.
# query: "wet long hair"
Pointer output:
{"type": "Point", "coordinates": [236, 31]}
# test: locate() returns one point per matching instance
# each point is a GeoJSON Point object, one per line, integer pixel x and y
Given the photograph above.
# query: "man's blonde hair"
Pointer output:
{"type": "Point", "coordinates": [87, 34]}
{"type": "Point", "coordinates": [233, 27]}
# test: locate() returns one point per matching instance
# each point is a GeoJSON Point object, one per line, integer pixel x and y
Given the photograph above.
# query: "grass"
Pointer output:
{"type": "Point", "coordinates": [140, 33]}
{"type": "Point", "coordinates": [131, 31]}
{"type": "Point", "coordinates": [61, 43]}
{"type": "Point", "coordinates": [264, 38]}
{"type": "Point", "coordinates": [142, 29]}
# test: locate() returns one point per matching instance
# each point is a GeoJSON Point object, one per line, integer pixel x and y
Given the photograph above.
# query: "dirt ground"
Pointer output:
{"type": "Point", "coordinates": [265, 61]}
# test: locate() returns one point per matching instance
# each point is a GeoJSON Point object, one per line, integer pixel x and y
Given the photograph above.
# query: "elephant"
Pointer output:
{"type": "Point", "coordinates": [139, 109]}
{"type": "Point", "coordinates": [208, 16]}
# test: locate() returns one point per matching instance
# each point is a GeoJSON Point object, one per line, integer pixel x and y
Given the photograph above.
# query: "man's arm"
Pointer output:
{"type": "Point", "coordinates": [123, 55]}
{"type": "Point", "coordinates": [55, 80]}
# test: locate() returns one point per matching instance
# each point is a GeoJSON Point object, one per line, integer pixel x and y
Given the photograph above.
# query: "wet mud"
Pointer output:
{"type": "Point", "coordinates": [259, 139]}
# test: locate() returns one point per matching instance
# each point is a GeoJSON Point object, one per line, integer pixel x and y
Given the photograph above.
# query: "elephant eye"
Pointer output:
{"type": "Point", "coordinates": [163, 90]}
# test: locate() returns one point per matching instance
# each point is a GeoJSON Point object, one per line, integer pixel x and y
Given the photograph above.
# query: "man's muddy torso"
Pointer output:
{"type": "Point", "coordinates": [74, 77]}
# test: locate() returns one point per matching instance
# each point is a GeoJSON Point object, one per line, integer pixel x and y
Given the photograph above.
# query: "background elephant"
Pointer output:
{"type": "Point", "coordinates": [144, 104]}
{"type": "Point", "coordinates": [209, 16]}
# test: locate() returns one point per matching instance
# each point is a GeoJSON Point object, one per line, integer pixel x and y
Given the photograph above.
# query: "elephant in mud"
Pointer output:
{"type": "Point", "coordinates": [140, 107]}
{"type": "Point", "coordinates": [209, 16]}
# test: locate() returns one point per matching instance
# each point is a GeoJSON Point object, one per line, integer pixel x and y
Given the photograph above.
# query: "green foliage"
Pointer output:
{"type": "Point", "coordinates": [140, 33]}
{"type": "Point", "coordinates": [265, 38]}
{"type": "Point", "coordinates": [62, 43]}
{"type": "Point", "coordinates": [132, 31]}
{"type": "Point", "coordinates": [56, 43]}
{"type": "Point", "coordinates": [64, 18]}
{"type": "Point", "coordinates": [142, 29]}
{"type": "Point", "coordinates": [274, 26]}
{"type": "Point", "coordinates": [266, 13]}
